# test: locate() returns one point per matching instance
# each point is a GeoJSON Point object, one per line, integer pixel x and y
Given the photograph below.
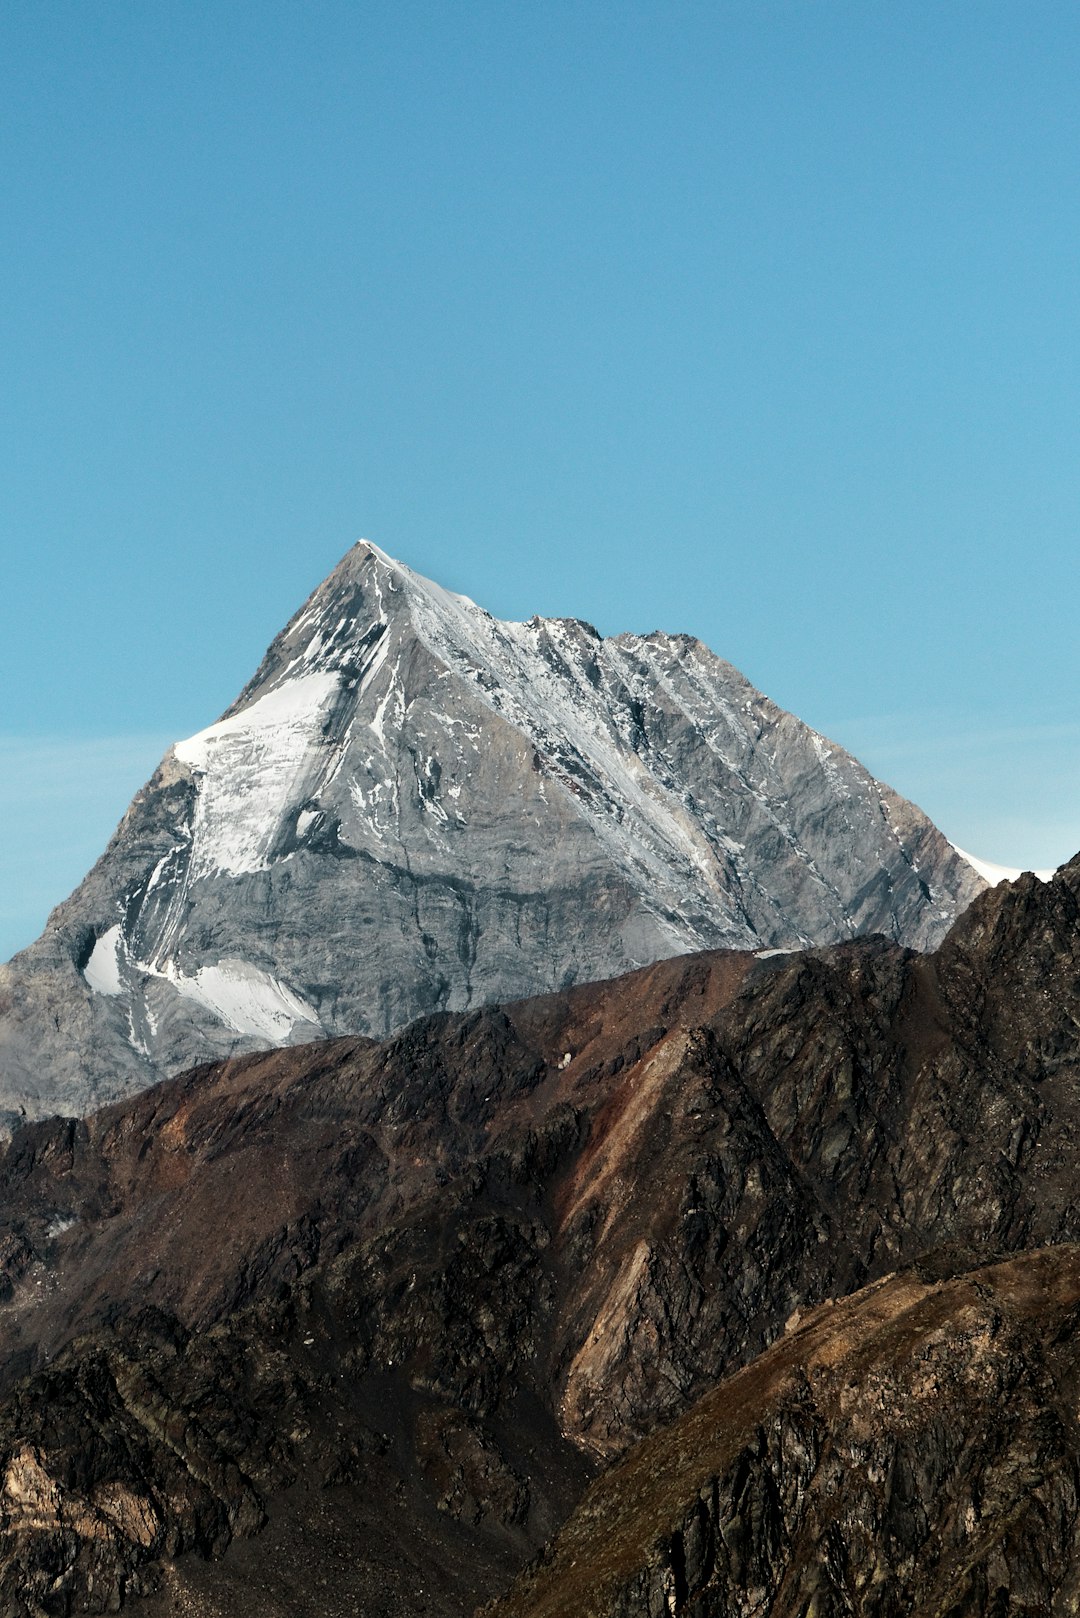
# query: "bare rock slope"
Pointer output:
{"type": "Point", "coordinates": [415, 807]}
{"type": "Point", "coordinates": [909, 1452]}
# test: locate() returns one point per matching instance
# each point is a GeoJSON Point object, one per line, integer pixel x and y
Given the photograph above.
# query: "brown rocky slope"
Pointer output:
{"type": "Point", "coordinates": [913, 1449]}
{"type": "Point", "coordinates": [372, 1314]}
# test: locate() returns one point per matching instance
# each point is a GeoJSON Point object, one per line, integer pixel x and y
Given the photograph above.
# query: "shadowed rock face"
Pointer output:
{"type": "Point", "coordinates": [414, 807]}
{"type": "Point", "coordinates": [913, 1449]}
{"type": "Point", "coordinates": [402, 1299]}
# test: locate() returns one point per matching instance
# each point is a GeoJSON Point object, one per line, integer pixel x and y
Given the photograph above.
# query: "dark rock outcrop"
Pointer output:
{"type": "Point", "coordinates": [911, 1450]}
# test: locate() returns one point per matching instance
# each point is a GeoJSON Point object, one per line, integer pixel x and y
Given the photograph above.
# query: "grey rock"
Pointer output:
{"type": "Point", "coordinates": [415, 807]}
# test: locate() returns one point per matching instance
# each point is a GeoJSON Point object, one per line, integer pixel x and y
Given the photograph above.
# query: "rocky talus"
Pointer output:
{"type": "Point", "coordinates": [349, 1327]}
{"type": "Point", "coordinates": [415, 807]}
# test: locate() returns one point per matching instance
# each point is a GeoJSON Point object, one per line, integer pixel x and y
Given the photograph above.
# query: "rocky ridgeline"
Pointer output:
{"type": "Point", "coordinates": [910, 1450]}
{"type": "Point", "coordinates": [415, 807]}
{"type": "Point", "coordinates": [349, 1327]}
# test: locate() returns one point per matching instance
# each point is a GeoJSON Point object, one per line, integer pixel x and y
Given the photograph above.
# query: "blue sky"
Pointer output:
{"type": "Point", "coordinates": [755, 320]}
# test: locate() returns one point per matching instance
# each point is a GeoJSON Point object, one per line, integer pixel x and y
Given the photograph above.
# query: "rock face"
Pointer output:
{"type": "Point", "coordinates": [911, 1450]}
{"type": "Point", "coordinates": [414, 807]}
{"type": "Point", "coordinates": [372, 1314]}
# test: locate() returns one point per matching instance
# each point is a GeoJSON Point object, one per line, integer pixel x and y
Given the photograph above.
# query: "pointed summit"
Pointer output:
{"type": "Point", "coordinates": [413, 806]}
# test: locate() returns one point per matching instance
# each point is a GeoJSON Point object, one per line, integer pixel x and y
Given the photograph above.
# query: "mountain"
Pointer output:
{"type": "Point", "coordinates": [415, 807]}
{"type": "Point", "coordinates": [350, 1327]}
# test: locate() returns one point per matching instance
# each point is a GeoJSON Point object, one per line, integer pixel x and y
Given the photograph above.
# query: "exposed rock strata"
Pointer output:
{"type": "Point", "coordinates": [450, 1275]}
{"type": "Point", "coordinates": [414, 807]}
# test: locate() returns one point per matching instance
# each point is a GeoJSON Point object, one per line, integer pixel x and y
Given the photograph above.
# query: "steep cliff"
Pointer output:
{"type": "Point", "coordinates": [912, 1450]}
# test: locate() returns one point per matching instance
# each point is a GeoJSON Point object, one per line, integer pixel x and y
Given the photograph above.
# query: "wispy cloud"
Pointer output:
{"type": "Point", "coordinates": [60, 801]}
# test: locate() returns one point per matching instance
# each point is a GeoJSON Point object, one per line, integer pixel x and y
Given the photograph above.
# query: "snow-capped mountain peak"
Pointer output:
{"type": "Point", "coordinates": [414, 805]}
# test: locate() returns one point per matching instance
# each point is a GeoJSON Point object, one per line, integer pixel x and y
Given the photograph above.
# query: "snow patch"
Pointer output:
{"type": "Point", "coordinates": [102, 970]}
{"type": "Point", "coordinates": [242, 996]}
{"type": "Point", "coordinates": [250, 768]}
{"type": "Point", "coordinates": [248, 999]}
{"type": "Point", "coordinates": [996, 873]}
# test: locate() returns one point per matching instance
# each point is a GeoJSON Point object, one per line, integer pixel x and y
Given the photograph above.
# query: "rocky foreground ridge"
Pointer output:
{"type": "Point", "coordinates": [912, 1449]}
{"type": "Point", "coordinates": [414, 807]}
{"type": "Point", "coordinates": [349, 1328]}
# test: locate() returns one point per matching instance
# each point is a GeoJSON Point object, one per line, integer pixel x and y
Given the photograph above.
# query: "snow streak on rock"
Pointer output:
{"type": "Point", "coordinates": [250, 769]}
